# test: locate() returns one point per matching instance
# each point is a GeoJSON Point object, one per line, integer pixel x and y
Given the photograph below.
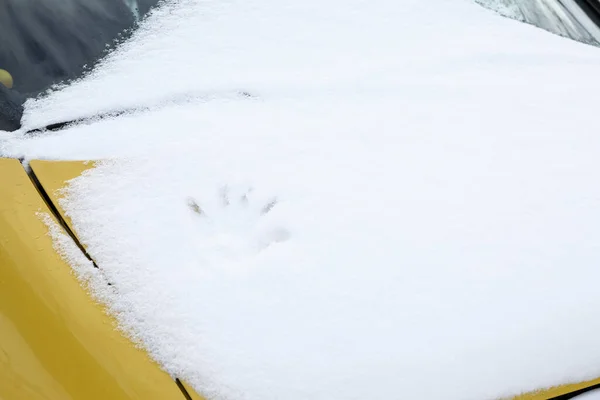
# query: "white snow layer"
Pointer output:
{"type": "Point", "coordinates": [403, 205]}
{"type": "Point", "coordinates": [593, 395]}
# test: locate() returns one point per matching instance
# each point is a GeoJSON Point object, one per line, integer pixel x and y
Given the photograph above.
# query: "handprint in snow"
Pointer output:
{"type": "Point", "coordinates": [236, 223]}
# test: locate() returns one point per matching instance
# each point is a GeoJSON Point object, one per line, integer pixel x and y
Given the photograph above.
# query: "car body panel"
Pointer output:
{"type": "Point", "coordinates": [558, 391]}
{"type": "Point", "coordinates": [53, 177]}
{"type": "Point", "coordinates": [57, 342]}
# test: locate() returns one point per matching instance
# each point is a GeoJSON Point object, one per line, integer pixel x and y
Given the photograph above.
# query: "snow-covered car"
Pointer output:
{"type": "Point", "coordinates": [333, 199]}
{"type": "Point", "coordinates": [57, 342]}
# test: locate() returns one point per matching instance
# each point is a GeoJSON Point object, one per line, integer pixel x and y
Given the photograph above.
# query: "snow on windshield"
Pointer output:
{"type": "Point", "coordinates": [342, 199]}
{"type": "Point", "coordinates": [50, 42]}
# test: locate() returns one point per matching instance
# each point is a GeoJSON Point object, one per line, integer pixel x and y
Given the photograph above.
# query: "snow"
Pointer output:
{"type": "Point", "coordinates": [91, 277]}
{"type": "Point", "coordinates": [341, 200]}
{"type": "Point", "coordinates": [592, 395]}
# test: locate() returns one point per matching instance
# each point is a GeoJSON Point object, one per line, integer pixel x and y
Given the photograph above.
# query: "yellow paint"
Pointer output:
{"type": "Point", "coordinates": [54, 177]}
{"type": "Point", "coordinates": [56, 342]}
{"type": "Point", "coordinates": [545, 394]}
{"type": "Point", "coordinates": [6, 78]}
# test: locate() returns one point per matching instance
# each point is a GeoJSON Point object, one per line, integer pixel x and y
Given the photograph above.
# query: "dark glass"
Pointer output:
{"type": "Point", "coordinates": [43, 42]}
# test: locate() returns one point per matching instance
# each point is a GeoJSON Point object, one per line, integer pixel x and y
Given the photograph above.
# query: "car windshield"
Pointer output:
{"type": "Point", "coordinates": [46, 42]}
{"type": "Point", "coordinates": [49, 42]}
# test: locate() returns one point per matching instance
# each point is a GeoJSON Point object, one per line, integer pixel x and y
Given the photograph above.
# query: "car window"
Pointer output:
{"type": "Point", "coordinates": [54, 41]}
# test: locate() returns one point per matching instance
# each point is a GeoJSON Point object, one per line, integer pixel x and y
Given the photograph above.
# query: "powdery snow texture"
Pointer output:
{"type": "Point", "coordinates": [406, 207]}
